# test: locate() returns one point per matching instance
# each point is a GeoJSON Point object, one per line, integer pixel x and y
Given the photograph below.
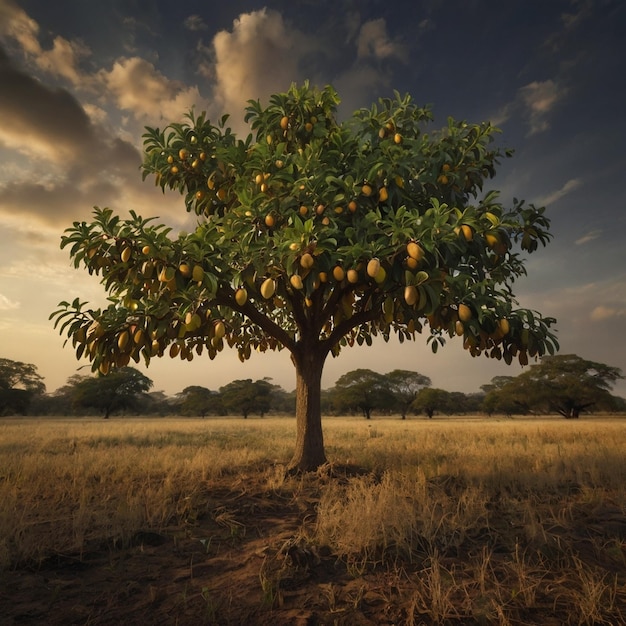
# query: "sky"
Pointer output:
{"type": "Point", "coordinates": [80, 80]}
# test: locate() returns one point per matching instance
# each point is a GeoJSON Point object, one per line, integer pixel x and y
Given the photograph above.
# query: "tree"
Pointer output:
{"type": "Point", "coordinates": [197, 400]}
{"type": "Point", "coordinates": [404, 386]}
{"type": "Point", "coordinates": [19, 383]}
{"type": "Point", "coordinates": [566, 384]}
{"type": "Point", "coordinates": [361, 389]}
{"type": "Point", "coordinates": [503, 397]}
{"type": "Point", "coordinates": [245, 396]}
{"type": "Point", "coordinates": [313, 235]}
{"type": "Point", "coordinates": [116, 391]}
{"type": "Point", "coordinates": [429, 400]}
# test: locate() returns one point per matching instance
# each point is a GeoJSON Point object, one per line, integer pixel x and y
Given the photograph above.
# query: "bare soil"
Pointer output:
{"type": "Point", "coordinates": [245, 559]}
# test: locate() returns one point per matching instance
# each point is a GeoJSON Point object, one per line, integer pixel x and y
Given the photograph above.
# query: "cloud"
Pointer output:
{"type": "Point", "coordinates": [538, 99]}
{"type": "Point", "coordinates": [139, 88]}
{"type": "Point", "coordinates": [8, 305]}
{"type": "Point", "coordinates": [38, 120]}
{"type": "Point", "coordinates": [567, 188]}
{"type": "Point", "coordinates": [195, 23]}
{"type": "Point", "coordinates": [260, 56]}
{"type": "Point", "coordinates": [602, 313]}
{"type": "Point", "coordinates": [374, 42]}
{"type": "Point", "coordinates": [590, 236]}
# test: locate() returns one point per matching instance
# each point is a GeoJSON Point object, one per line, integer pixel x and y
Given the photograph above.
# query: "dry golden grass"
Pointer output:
{"type": "Point", "coordinates": [460, 520]}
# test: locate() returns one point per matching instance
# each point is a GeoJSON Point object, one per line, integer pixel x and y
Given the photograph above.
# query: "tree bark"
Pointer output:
{"type": "Point", "coordinates": [309, 451]}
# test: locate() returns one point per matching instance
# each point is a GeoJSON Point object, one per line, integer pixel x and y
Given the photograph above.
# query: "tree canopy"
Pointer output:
{"type": "Point", "coordinates": [116, 391]}
{"type": "Point", "coordinates": [565, 384]}
{"type": "Point", "coordinates": [313, 235]}
{"type": "Point", "coordinates": [19, 382]}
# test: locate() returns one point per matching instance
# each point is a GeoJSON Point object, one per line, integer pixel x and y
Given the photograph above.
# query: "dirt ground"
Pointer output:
{"type": "Point", "coordinates": [244, 560]}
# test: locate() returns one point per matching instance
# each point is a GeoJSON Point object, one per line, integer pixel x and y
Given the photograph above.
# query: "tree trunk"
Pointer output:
{"type": "Point", "coordinates": [309, 451]}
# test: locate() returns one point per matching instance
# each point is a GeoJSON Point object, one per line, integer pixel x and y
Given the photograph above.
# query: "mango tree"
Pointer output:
{"type": "Point", "coordinates": [313, 234]}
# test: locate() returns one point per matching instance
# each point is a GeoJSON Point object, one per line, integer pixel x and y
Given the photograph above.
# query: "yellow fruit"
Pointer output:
{"type": "Point", "coordinates": [320, 209]}
{"type": "Point", "coordinates": [170, 159]}
{"type": "Point", "coordinates": [309, 127]}
{"type": "Point", "coordinates": [307, 260]}
{"type": "Point", "coordinates": [467, 232]}
{"type": "Point", "coordinates": [268, 287]}
{"type": "Point", "coordinates": [338, 210]}
{"type": "Point", "coordinates": [126, 254]}
{"type": "Point", "coordinates": [123, 339]}
{"type": "Point", "coordinates": [219, 329]}
{"type": "Point", "coordinates": [323, 277]}
{"type": "Point", "coordinates": [294, 246]}
{"type": "Point", "coordinates": [284, 123]}
{"type": "Point", "coordinates": [492, 239]}
{"type": "Point", "coordinates": [303, 210]}
{"type": "Point", "coordinates": [411, 263]}
{"type": "Point", "coordinates": [138, 337]}
{"type": "Point", "coordinates": [221, 194]}
{"type": "Point", "coordinates": [174, 169]}
{"type": "Point", "coordinates": [366, 190]}
{"type": "Point", "coordinates": [147, 250]}
{"type": "Point", "coordinates": [397, 138]}
{"type": "Point", "coordinates": [353, 276]}
{"type": "Point", "coordinates": [326, 221]}
{"type": "Point", "coordinates": [465, 313]}
{"type": "Point", "coordinates": [415, 251]}
{"type": "Point", "coordinates": [259, 179]}
{"type": "Point", "coordinates": [459, 328]}
{"type": "Point", "coordinates": [383, 194]}
{"type": "Point", "coordinates": [198, 273]}
{"type": "Point", "coordinates": [185, 270]}
{"type": "Point", "coordinates": [296, 281]}
{"type": "Point", "coordinates": [504, 325]}
{"type": "Point", "coordinates": [445, 167]}
{"type": "Point", "coordinates": [411, 295]}
{"type": "Point", "coordinates": [338, 273]}
{"type": "Point", "coordinates": [174, 350]}
{"type": "Point", "coordinates": [241, 296]}
{"type": "Point", "coordinates": [373, 267]}
{"type": "Point", "coordinates": [443, 179]}
{"type": "Point", "coordinates": [352, 206]}
{"type": "Point", "coordinates": [269, 220]}
{"type": "Point", "coordinates": [264, 187]}
{"type": "Point", "coordinates": [104, 368]}
{"type": "Point", "coordinates": [183, 154]}
{"type": "Point", "coordinates": [381, 275]}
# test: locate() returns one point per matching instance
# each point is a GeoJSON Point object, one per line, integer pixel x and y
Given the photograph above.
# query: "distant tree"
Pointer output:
{"type": "Point", "coordinates": [404, 386]}
{"type": "Point", "coordinates": [19, 383]}
{"type": "Point", "coordinates": [245, 397]}
{"type": "Point", "coordinates": [196, 400]}
{"type": "Point", "coordinates": [363, 390]}
{"type": "Point", "coordinates": [565, 384]}
{"type": "Point", "coordinates": [119, 390]}
{"type": "Point", "coordinates": [430, 400]}
{"type": "Point", "coordinates": [504, 396]}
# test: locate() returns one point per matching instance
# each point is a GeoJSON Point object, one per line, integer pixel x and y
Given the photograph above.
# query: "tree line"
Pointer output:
{"type": "Point", "coordinates": [564, 384]}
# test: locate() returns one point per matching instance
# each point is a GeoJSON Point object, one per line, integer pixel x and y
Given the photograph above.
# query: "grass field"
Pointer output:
{"type": "Point", "coordinates": [445, 521]}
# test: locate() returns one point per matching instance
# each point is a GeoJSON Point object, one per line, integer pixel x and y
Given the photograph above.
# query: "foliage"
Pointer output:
{"type": "Point", "coordinates": [404, 385]}
{"type": "Point", "coordinates": [566, 384]}
{"type": "Point", "coordinates": [430, 400]}
{"type": "Point", "coordinates": [245, 396]}
{"type": "Point", "coordinates": [313, 235]}
{"type": "Point", "coordinates": [117, 391]}
{"type": "Point", "coordinates": [197, 400]}
{"type": "Point", "coordinates": [363, 390]}
{"type": "Point", "coordinates": [19, 383]}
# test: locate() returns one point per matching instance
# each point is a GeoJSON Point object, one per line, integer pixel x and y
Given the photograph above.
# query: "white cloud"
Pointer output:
{"type": "Point", "coordinates": [570, 186]}
{"type": "Point", "coordinates": [8, 305]}
{"type": "Point", "coordinates": [590, 236]}
{"type": "Point", "coordinates": [374, 42]}
{"type": "Point", "coordinates": [259, 57]}
{"type": "Point", "coordinates": [602, 313]}
{"type": "Point", "coordinates": [539, 98]}
{"type": "Point", "coordinates": [139, 88]}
